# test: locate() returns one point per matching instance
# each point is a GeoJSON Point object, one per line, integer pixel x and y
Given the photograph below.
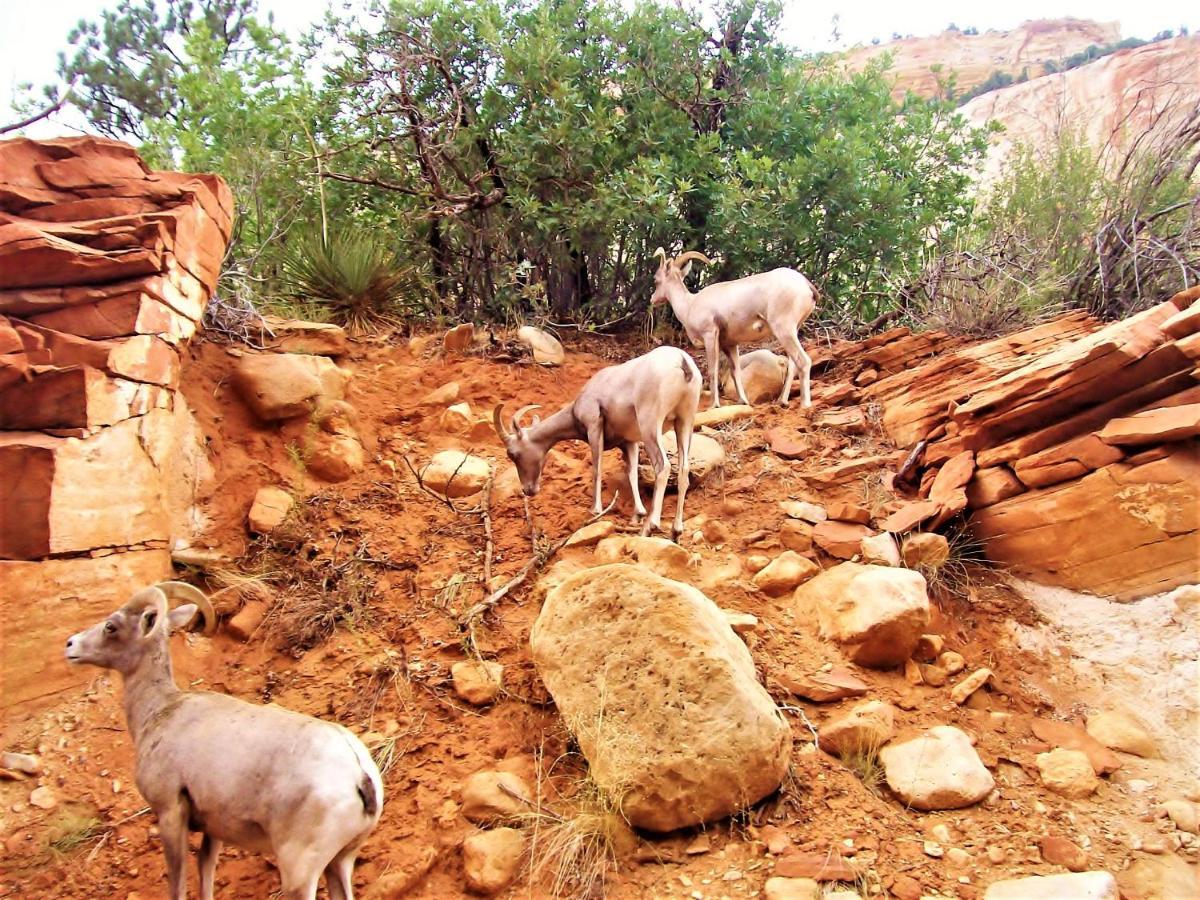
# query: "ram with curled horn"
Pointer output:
{"type": "Point", "coordinates": [626, 406]}
{"type": "Point", "coordinates": [258, 777]}
{"type": "Point", "coordinates": [728, 313]}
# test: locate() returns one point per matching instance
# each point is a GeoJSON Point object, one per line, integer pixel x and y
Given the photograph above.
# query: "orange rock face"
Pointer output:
{"type": "Point", "coordinates": [972, 58]}
{"type": "Point", "coordinates": [1085, 439]}
{"type": "Point", "coordinates": [105, 270]}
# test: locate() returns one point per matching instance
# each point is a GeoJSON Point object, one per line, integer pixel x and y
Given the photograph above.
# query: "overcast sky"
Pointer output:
{"type": "Point", "coordinates": [32, 33]}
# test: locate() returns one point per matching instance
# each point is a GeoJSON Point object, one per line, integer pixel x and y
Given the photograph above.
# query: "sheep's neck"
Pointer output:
{"type": "Point", "coordinates": [147, 689]}
{"type": "Point", "coordinates": [680, 299]}
{"type": "Point", "coordinates": [562, 426]}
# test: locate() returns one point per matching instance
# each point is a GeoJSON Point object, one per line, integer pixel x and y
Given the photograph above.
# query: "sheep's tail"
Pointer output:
{"type": "Point", "coordinates": [370, 786]}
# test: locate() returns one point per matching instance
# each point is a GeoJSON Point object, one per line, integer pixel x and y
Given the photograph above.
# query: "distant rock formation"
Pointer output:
{"type": "Point", "coordinates": [974, 57]}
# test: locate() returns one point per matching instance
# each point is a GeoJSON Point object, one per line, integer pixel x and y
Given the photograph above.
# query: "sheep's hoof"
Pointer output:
{"type": "Point", "coordinates": [649, 528]}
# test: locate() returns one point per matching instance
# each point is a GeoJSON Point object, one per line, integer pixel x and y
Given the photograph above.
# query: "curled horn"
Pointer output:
{"type": "Point", "coordinates": [180, 590]}
{"type": "Point", "coordinates": [690, 254]}
{"type": "Point", "coordinates": [661, 254]}
{"type": "Point", "coordinates": [516, 419]}
{"type": "Point", "coordinates": [498, 421]}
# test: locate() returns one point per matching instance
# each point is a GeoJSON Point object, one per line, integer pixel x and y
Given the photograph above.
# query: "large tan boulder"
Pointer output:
{"type": "Point", "coordinates": [762, 376]}
{"type": "Point", "coordinates": [453, 473]}
{"type": "Point", "coordinates": [1165, 877]}
{"type": "Point", "coordinates": [938, 770]}
{"type": "Point", "coordinates": [875, 613]}
{"type": "Point", "coordinates": [545, 347]}
{"type": "Point", "coordinates": [705, 459]}
{"type": "Point", "coordinates": [271, 506]}
{"type": "Point", "coordinates": [661, 695]}
{"type": "Point", "coordinates": [285, 385]}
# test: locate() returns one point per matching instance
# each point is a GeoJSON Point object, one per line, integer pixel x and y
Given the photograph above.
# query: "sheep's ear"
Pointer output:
{"type": "Point", "coordinates": [148, 621]}
{"type": "Point", "coordinates": [687, 267]}
{"type": "Point", "coordinates": [181, 616]}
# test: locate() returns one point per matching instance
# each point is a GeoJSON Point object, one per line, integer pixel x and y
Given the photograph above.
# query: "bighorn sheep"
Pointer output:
{"type": "Point", "coordinates": [621, 405]}
{"type": "Point", "coordinates": [728, 313]}
{"type": "Point", "coordinates": [258, 777]}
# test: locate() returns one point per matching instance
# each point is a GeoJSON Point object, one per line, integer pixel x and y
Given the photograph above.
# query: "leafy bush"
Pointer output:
{"type": "Point", "coordinates": [353, 276]}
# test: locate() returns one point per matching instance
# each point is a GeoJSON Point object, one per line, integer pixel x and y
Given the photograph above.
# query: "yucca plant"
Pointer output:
{"type": "Point", "coordinates": [353, 274]}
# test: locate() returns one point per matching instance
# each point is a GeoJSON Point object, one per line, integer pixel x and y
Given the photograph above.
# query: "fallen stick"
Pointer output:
{"type": "Point", "coordinates": [539, 559]}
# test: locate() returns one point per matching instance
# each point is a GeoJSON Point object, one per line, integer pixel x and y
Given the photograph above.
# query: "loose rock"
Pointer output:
{"type": "Point", "coordinates": [662, 696]}
{"type": "Point", "coordinates": [720, 414]}
{"type": "Point", "coordinates": [477, 681]}
{"type": "Point", "coordinates": [245, 622]}
{"type": "Point", "coordinates": [589, 535]}
{"type": "Point", "coordinates": [1068, 772]}
{"type": "Point", "coordinates": [456, 419]}
{"type": "Point", "coordinates": [1082, 886]}
{"type": "Point", "coordinates": [796, 535]}
{"type": "Point", "coordinates": [876, 613]}
{"type": "Point", "coordinates": [817, 866]}
{"type": "Point", "coordinates": [938, 770]}
{"type": "Point", "coordinates": [779, 888]}
{"type": "Point", "coordinates": [1058, 851]}
{"type": "Point", "coordinates": [951, 661]}
{"type": "Point", "coordinates": [969, 685]}
{"type": "Point", "coordinates": [1184, 814]}
{"type": "Point", "coordinates": [784, 573]}
{"type": "Point", "coordinates": [545, 347]}
{"type": "Point", "coordinates": [285, 385]}
{"type": "Point", "coordinates": [492, 796]}
{"type": "Point", "coordinates": [806, 512]}
{"type": "Point", "coordinates": [271, 506]}
{"type": "Point", "coordinates": [866, 728]}
{"type": "Point", "coordinates": [840, 539]}
{"type": "Point", "coordinates": [454, 474]}
{"type": "Point", "coordinates": [492, 859]}
{"type": "Point", "coordinates": [1120, 731]}
{"type": "Point", "coordinates": [43, 798]}
{"type": "Point", "coordinates": [659, 555]}
{"type": "Point", "coordinates": [839, 683]}
{"type": "Point", "coordinates": [880, 549]}
{"type": "Point", "coordinates": [925, 550]}
{"type": "Point", "coordinates": [1072, 737]}
{"type": "Point", "coordinates": [459, 338]}
{"type": "Point", "coordinates": [26, 763]}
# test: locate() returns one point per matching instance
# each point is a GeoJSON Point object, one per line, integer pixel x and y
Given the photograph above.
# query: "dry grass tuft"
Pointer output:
{"type": "Point", "coordinates": [864, 762]}
{"type": "Point", "coordinates": [958, 573]}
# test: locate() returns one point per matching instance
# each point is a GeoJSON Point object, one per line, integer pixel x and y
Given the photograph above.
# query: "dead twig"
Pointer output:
{"type": "Point", "coordinates": [539, 559]}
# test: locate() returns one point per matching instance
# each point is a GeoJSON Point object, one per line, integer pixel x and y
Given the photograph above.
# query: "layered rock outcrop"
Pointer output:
{"type": "Point", "coordinates": [105, 271]}
{"type": "Point", "coordinates": [1077, 439]}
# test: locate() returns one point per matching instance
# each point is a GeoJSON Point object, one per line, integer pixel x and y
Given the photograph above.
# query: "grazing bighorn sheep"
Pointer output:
{"type": "Point", "coordinates": [621, 405]}
{"type": "Point", "coordinates": [258, 777]}
{"type": "Point", "coordinates": [725, 314]}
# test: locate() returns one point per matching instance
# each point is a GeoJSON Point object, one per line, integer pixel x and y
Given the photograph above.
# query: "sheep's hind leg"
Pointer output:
{"type": "Point", "coordinates": [172, 829]}
{"type": "Point", "coordinates": [339, 875]}
{"type": "Point", "coordinates": [210, 851]}
{"type": "Point", "coordinates": [662, 473]}
{"type": "Point", "coordinates": [299, 870]}
{"type": "Point", "coordinates": [632, 451]}
{"type": "Point", "coordinates": [735, 366]}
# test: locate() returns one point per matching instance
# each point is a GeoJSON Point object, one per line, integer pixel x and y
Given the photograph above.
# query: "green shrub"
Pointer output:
{"type": "Point", "coordinates": [353, 276]}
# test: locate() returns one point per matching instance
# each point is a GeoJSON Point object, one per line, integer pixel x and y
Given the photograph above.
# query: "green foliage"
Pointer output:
{"type": "Point", "coordinates": [353, 276]}
{"type": "Point", "coordinates": [126, 66]}
{"type": "Point", "coordinates": [544, 150]}
{"type": "Point", "coordinates": [525, 157]}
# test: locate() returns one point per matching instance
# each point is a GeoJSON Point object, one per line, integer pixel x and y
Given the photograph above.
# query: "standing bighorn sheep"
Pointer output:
{"type": "Point", "coordinates": [621, 405]}
{"type": "Point", "coordinates": [258, 777]}
{"type": "Point", "coordinates": [729, 313]}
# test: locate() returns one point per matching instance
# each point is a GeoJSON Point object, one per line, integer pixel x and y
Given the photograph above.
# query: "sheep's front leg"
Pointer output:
{"type": "Point", "coordinates": [596, 442]}
{"type": "Point", "coordinates": [632, 452]}
{"type": "Point", "coordinates": [712, 351]}
{"type": "Point", "coordinates": [172, 830]}
{"type": "Point", "coordinates": [210, 850]}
